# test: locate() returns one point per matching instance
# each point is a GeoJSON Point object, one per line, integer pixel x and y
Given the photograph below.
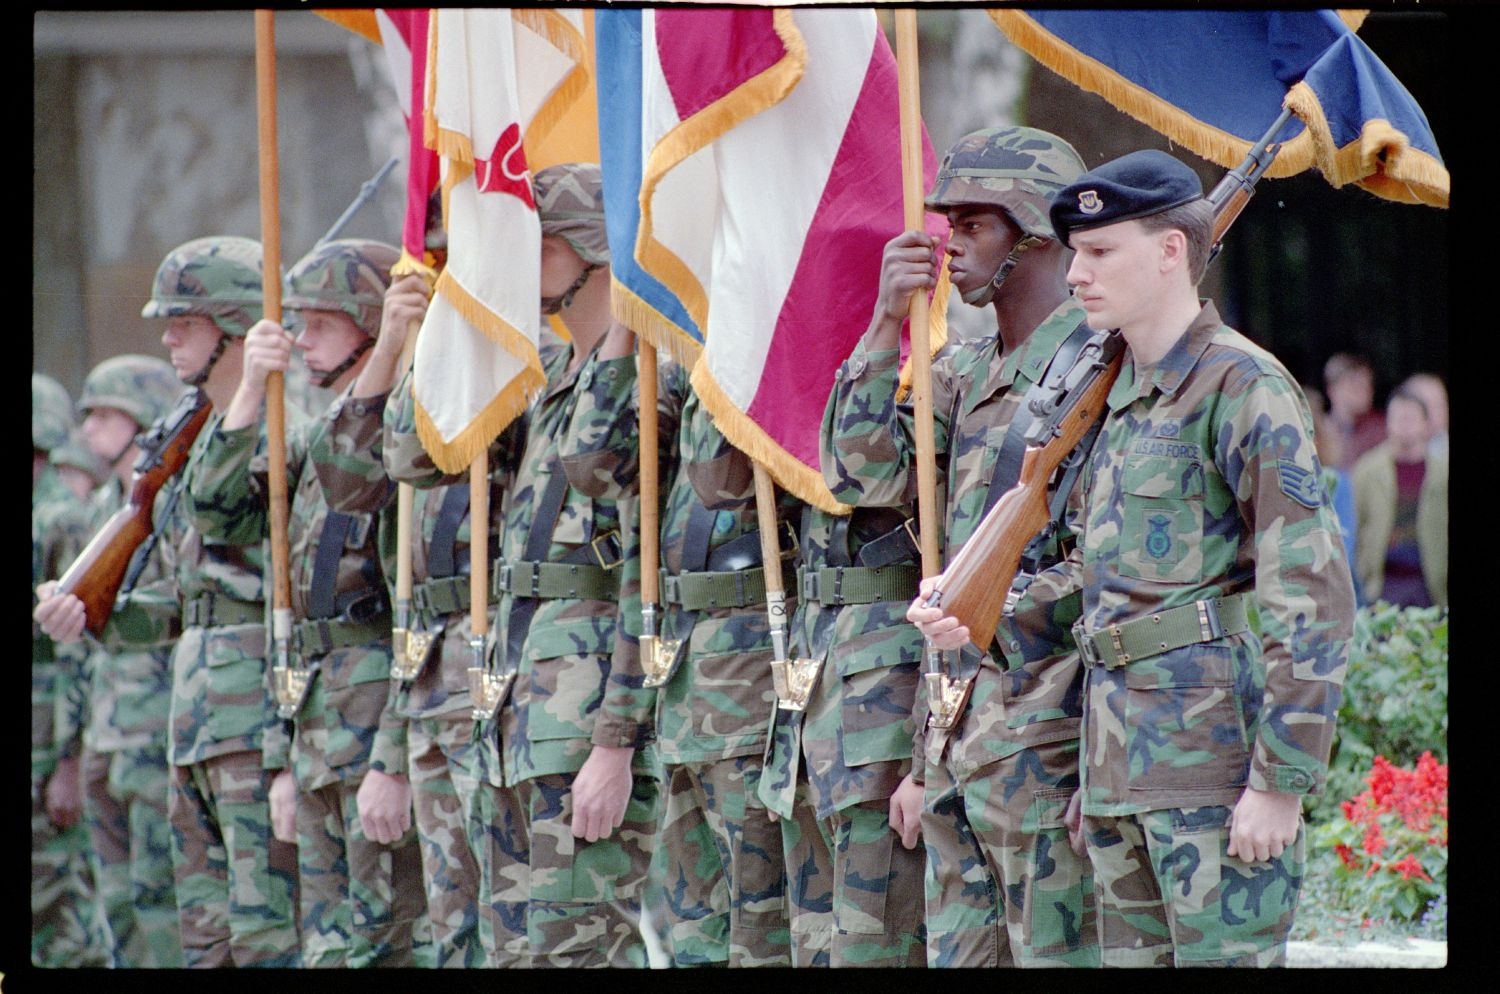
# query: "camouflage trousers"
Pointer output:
{"type": "Point", "coordinates": [497, 836]}
{"type": "Point", "coordinates": [66, 926]}
{"type": "Point", "coordinates": [442, 791]}
{"type": "Point", "coordinates": [1169, 894]}
{"type": "Point", "coordinates": [1004, 888]}
{"type": "Point", "coordinates": [584, 898]}
{"type": "Point", "coordinates": [236, 884]}
{"type": "Point", "coordinates": [363, 904]}
{"type": "Point", "coordinates": [725, 881]}
{"type": "Point", "coordinates": [807, 852]}
{"type": "Point", "coordinates": [125, 807]}
{"type": "Point", "coordinates": [878, 911]}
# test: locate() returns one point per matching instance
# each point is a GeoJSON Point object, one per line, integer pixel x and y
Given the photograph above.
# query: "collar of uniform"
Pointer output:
{"type": "Point", "coordinates": [1171, 369]}
{"type": "Point", "coordinates": [1028, 362]}
{"type": "Point", "coordinates": [560, 379]}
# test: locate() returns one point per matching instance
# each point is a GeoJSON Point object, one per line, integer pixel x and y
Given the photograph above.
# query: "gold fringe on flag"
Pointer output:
{"type": "Point", "coordinates": [406, 264]}
{"type": "Point", "coordinates": [802, 481]}
{"type": "Point", "coordinates": [766, 89]}
{"type": "Point", "coordinates": [937, 327]}
{"type": "Point", "coordinates": [1381, 160]}
{"type": "Point", "coordinates": [1213, 144]}
{"type": "Point", "coordinates": [637, 315]}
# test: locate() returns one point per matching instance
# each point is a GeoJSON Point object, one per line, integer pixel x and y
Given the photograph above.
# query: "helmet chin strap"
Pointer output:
{"type": "Point", "coordinates": [552, 305]}
{"type": "Point", "coordinates": [197, 379]}
{"type": "Point", "coordinates": [331, 377]}
{"type": "Point", "coordinates": [986, 293]}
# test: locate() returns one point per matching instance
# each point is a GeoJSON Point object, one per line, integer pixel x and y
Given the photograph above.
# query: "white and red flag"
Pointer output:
{"type": "Point", "coordinates": [498, 82]}
{"type": "Point", "coordinates": [752, 175]}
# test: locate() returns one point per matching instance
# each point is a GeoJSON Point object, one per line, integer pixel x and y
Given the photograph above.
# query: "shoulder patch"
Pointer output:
{"type": "Point", "coordinates": [1299, 483]}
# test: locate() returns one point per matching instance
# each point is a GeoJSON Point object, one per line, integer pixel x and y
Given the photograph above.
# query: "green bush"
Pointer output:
{"type": "Point", "coordinates": [1395, 700]}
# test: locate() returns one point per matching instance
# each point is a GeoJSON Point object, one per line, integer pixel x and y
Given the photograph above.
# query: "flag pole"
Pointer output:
{"type": "Point", "coordinates": [401, 648]}
{"type": "Point", "coordinates": [650, 526]}
{"type": "Point", "coordinates": [921, 346]}
{"type": "Point", "coordinates": [270, 226]}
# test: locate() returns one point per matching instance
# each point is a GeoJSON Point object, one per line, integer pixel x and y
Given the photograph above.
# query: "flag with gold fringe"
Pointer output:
{"type": "Point", "coordinates": [499, 82]}
{"type": "Point", "coordinates": [1214, 80]}
{"type": "Point", "coordinates": [752, 176]}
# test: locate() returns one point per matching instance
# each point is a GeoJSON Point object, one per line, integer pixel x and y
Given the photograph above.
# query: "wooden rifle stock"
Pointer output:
{"type": "Point", "coordinates": [96, 575]}
{"type": "Point", "coordinates": [974, 586]}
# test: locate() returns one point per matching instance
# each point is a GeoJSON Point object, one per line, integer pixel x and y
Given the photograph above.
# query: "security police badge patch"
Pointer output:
{"type": "Point", "coordinates": [1299, 483]}
{"type": "Point", "coordinates": [1158, 536]}
{"type": "Point", "coordinates": [1089, 202]}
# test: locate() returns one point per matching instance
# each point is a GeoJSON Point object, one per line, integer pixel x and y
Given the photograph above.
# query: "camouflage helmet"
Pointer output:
{"type": "Point", "coordinates": [1016, 169]}
{"type": "Point", "coordinates": [349, 275]}
{"type": "Point", "coordinates": [75, 452]}
{"type": "Point", "coordinates": [144, 387]}
{"type": "Point", "coordinates": [570, 203]}
{"type": "Point", "coordinates": [219, 277]}
{"type": "Point", "coordinates": [51, 413]}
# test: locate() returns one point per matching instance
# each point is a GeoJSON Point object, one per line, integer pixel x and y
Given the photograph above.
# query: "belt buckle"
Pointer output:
{"type": "Point", "coordinates": [594, 545]}
{"type": "Point", "coordinates": [1208, 620]}
{"type": "Point", "coordinates": [911, 533]}
{"type": "Point", "coordinates": [1085, 643]}
{"type": "Point", "coordinates": [1119, 647]}
{"type": "Point", "coordinates": [503, 574]}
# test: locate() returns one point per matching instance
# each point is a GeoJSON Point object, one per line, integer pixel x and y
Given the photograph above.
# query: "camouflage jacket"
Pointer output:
{"type": "Point", "coordinates": [719, 699]}
{"type": "Point", "coordinates": [129, 673]}
{"type": "Point", "coordinates": [59, 531]}
{"type": "Point", "coordinates": [1026, 690]}
{"type": "Point", "coordinates": [856, 733]}
{"type": "Point", "coordinates": [1205, 484]}
{"type": "Point", "coordinates": [342, 728]}
{"type": "Point", "coordinates": [572, 690]}
{"type": "Point", "coordinates": [441, 688]}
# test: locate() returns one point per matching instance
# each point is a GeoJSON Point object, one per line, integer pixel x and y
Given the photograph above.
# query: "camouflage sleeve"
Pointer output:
{"type": "Point", "coordinates": [388, 754]}
{"type": "Point", "coordinates": [1041, 623]}
{"type": "Point", "coordinates": [276, 744]}
{"type": "Point", "coordinates": [71, 703]}
{"type": "Point", "coordinates": [627, 714]}
{"type": "Point", "coordinates": [1263, 449]}
{"type": "Point", "coordinates": [347, 456]}
{"type": "Point", "coordinates": [406, 461]}
{"type": "Point", "coordinates": [228, 487]}
{"type": "Point", "coordinates": [868, 440]}
{"type": "Point", "coordinates": [722, 476]}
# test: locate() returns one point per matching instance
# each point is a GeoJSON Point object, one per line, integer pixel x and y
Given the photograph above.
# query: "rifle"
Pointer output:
{"type": "Point", "coordinates": [1064, 406]}
{"type": "Point", "coordinates": [96, 575]}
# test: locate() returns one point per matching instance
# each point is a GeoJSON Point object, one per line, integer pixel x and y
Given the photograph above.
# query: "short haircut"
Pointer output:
{"type": "Point", "coordinates": [1195, 219]}
{"type": "Point", "coordinates": [1404, 392]}
{"type": "Point", "coordinates": [1341, 364]}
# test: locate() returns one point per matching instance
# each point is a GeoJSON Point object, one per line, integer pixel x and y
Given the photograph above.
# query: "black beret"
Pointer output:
{"type": "Point", "coordinates": [1134, 185]}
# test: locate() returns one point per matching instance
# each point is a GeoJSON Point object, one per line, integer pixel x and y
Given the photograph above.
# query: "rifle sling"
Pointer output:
{"type": "Point", "coordinates": [142, 554]}
{"type": "Point", "coordinates": [538, 543]}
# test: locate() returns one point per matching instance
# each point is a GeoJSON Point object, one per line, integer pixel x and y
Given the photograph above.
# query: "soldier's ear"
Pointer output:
{"type": "Point", "coordinates": [1172, 245]}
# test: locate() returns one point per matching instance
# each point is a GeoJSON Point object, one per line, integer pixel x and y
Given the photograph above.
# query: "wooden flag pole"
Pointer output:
{"type": "Point", "coordinates": [402, 663]}
{"type": "Point", "coordinates": [921, 345]}
{"type": "Point", "coordinates": [270, 227]}
{"type": "Point", "coordinates": [650, 486]}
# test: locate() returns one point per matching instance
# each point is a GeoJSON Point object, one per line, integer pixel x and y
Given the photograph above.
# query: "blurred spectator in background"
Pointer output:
{"type": "Point", "coordinates": [76, 463]}
{"type": "Point", "coordinates": [1350, 383]}
{"type": "Point", "coordinates": [1429, 387]}
{"type": "Point", "coordinates": [1401, 499]}
{"type": "Point", "coordinates": [1340, 487]}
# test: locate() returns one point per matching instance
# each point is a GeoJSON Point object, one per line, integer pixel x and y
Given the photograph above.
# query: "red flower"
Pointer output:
{"type": "Point", "coordinates": [1374, 843]}
{"type": "Point", "coordinates": [1408, 868]}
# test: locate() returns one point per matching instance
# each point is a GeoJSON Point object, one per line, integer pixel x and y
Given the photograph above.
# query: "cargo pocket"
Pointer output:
{"type": "Point", "coordinates": [1059, 883]}
{"type": "Point", "coordinates": [237, 697]}
{"type": "Point", "coordinates": [564, 654]}
{"type": "Point", "coordinates": [1187, 726]}
{"type": "Point", "coordinates": [876, 699]}
{"type": "Point", "coordinates": [1161, 534]}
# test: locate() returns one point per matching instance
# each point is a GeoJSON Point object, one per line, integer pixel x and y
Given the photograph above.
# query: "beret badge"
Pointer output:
{"type": "Point", "coordinates": [1089, 202]}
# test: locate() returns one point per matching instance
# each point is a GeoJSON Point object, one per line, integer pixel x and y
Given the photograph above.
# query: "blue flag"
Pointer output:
{"type": "Point", "coordinates": [1214, 80]}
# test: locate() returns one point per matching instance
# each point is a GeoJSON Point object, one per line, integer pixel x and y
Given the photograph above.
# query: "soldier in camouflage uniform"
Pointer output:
{"type": "Point", "coordinates": [856, 896]}
{"type": "Point", "coordinates": [127, 778]}
{"type": "Point", "coordinates": [1003, 887]}
{"type": "Point", "coordinates": [566, 813]}
{"type": "Point", "coordinates": [79, 468]}
{"type": "Point", "coordinates": [349, 809]}
{"type": "Point", "coordinates": [236, 884]}
{"type": "Point", "coordinates": [435, 702]}
{"type": "Point", "coordinates": [65, 918]}
{"type": "Point", "coordinates": [725, 880]}
{"type": "Point", "coordinates": [1201, 735]}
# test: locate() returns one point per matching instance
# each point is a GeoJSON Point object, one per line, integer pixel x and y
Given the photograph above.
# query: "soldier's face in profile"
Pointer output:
{"type": "Point", "coordinates": [979, 239]}
{"type": "Point", "coordinates": [326, 338]}
{"type": "Point", "coordinates": [190, 339]}
{"type": "Point", "coordinates": [560, 265]}
{"type": "Point", "coordinates": [107, 431]}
